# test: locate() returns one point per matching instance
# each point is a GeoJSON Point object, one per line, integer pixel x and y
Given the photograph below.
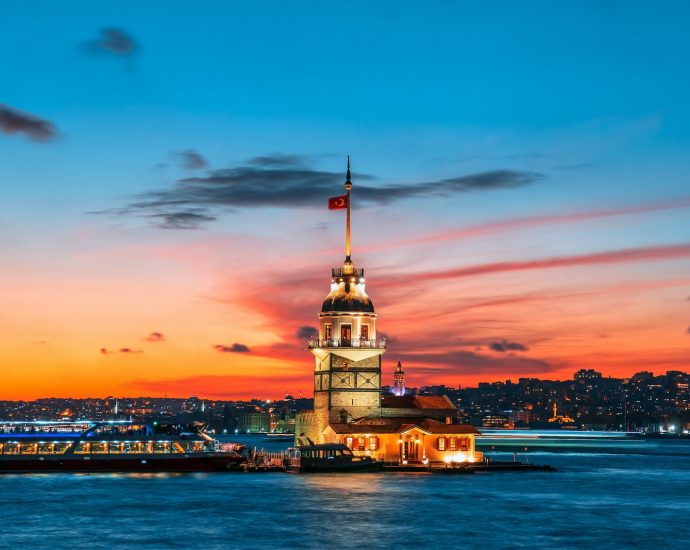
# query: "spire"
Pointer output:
{"type": "Point", "coordinates": [348, 243]}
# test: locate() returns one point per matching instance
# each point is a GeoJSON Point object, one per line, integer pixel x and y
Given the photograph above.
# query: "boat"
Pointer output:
{"type": "Point", "coordinates": [113, 446]}
{"type": "Point", "coordinates": [328, 457]}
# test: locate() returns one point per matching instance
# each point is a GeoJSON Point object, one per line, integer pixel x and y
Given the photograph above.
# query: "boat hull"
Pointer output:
{"type": "Point", "coordinates": [211, 463]}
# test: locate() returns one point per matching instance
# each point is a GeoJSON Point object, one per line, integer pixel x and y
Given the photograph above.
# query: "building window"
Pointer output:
{"type": "Point", "coordinates": [373, 443]}
{"type": "Point", "coordinates": [364, 332]}
{"type": "Point", "coordinates": [348, 441]}
{"type": "Point", "coordinates": [361, 444]}
{"type": "Point", "coordinates": [441, 443]}
{"type": "Point", "coordinates": [328, 332]}
{"type": "Point", "coordinates": [453, 444]}
{"type": "Point", "coordinates": [465, 444]}
{"type": "Point", "coordinates": [345, 335]}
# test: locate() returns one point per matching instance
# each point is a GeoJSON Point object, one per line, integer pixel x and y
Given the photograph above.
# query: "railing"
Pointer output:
{"type": "Point", "coordinates": [353, 272]}
{"type": "Point", "coordinates": [374, 343]}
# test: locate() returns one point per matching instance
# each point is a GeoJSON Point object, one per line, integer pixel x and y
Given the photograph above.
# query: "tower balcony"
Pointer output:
{"type": "Point", "coordinates": [339, 272]}
{"type": "Point", "coordinates": [354, 343]}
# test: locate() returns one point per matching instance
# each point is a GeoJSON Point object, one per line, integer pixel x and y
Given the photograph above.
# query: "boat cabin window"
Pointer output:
{"type": "Point", "coordinates": [100, 447]}
{"type": "Point", "coordinates": [11, 449]}
{"type": "Point", "coordinates": [29, 448]}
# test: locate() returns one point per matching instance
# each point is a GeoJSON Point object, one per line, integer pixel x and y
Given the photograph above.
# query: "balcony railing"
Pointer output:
{"type": "Point", "coordinates": [341, 272]}
{"type": "Point", "coordinates": [374, 343]}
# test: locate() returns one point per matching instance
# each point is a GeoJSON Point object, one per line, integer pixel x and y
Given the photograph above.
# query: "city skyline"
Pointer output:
{"type": "Point", "coordinates": [164, 223]}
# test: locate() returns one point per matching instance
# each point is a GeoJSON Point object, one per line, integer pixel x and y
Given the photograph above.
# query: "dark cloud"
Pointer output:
{"type": "Point", "coordinates": [192, 160]}
{"type": "Point", "coordinates": [113, 41]}
{"type": "Point", "coordinates": [505, 345]}
{"type": "Point", "coordinates": [106, 351]}
{"type": "Point", "coordinates": [306, 332]}
{"type": "Point", "coordinates": [182, 219]}
{"type": "Point", "coordinates": [287, 181]}
{"type": "Point", "coordinates": [278, 159]}
{"type": "Point", "coordinates": [235, 348]}
{"type": "Point", "coordinates": [16, 122]}
{"type": "Point", "coordinates": [468, 362]}
{"type": "Point", "coordinates": [129, 350]}
{"type": "Point", "coordinates": [155, 337]}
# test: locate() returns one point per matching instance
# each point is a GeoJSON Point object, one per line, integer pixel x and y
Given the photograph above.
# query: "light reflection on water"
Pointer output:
{"type": "Point", "coordinates": [596, 500]}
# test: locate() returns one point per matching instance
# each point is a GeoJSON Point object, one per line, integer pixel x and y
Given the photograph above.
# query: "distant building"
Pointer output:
{"type": "Point", "coordinates": [399, 381]}
{"type": "Point", "coordinates": [254, 422]}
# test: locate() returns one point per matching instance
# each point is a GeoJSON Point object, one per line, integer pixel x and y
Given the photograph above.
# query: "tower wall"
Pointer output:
{"type": "Point", "coordinates": [347, 389]}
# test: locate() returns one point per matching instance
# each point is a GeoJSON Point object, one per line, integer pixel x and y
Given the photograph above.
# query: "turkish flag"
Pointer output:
{"type": "Point", "coordinates": [337, 203]}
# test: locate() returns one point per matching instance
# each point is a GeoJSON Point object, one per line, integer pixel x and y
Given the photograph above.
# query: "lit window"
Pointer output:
{"type": "Point", "coordinates": [348, 442]}
{"type": "Point", "coordinates": [453, 444]}
{"type": "Point", "coordinates": [373, 443]}
{"type": "Point", "coordinates": [441, 443]}
{"type": "Point", "coordinates": [360, 443]}
{"type": "Point", "coordinates": [364, 332]}
{"type": "Point", "coordinates": [328, 332]}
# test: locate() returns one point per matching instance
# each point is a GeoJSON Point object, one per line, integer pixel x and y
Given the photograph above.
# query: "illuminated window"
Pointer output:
{"type": "Point", "coordinates": [100, 447]}
{"type": "Point", "coordinates": [373, 443]}
{"type": "Point", "coordinates": [453, 444]}
{"type": "Point", "coordinates": [29, 448]}
{"type": "Point", "coordinates": [364, 332]}
{"type": "Point", "coordinates": [441, 443]}
{"type": "Point", "coordinates": [465, 444]}
{"type": "Point", "coordinates": [348, 441]}
{"type": "Point", "coordinates": [328, 332]}
{"type": "Point", "coordinates": [361, 445]}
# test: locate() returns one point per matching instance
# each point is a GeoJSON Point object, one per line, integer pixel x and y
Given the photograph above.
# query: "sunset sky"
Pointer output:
{"type": "Point", "coordinates": [521, 190]}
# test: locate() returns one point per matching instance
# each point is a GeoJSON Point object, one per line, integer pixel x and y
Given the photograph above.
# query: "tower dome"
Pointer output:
{"type": "Point", "coordinates": [347, 293]}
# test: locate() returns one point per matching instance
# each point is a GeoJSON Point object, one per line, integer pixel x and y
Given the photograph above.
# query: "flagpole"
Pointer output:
{"type": "Point", "coordinates": [348, 186]}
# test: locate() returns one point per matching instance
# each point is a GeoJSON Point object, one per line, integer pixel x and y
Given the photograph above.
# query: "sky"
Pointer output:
{"type": "Point", "coordinates": [520, 203]}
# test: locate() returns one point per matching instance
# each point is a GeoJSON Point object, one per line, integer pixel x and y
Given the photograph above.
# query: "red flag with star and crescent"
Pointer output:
{"type": "Point", "coordinates": [337, 203]}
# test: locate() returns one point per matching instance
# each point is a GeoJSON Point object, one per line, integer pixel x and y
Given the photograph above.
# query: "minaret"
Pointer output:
{"type": "Point", "coordinates": [399, 380]}
{"type": "Point", "coordinates": [117, 408]}
{"type": "Point", "coordinates": [347, 367]}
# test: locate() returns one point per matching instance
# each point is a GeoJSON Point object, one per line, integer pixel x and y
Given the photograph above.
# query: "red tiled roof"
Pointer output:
{"type": "Point", "coordinates": [400, 425]}
{"type": "Point", "coordinates": [416, 402]}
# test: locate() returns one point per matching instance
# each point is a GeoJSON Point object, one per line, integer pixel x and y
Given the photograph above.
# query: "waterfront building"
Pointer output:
{"type": "Point", "coordinates": [349, 406]}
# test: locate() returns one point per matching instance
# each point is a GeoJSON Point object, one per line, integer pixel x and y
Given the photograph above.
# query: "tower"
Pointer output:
{"type": "Point", "coordinates": [347, 353]}
{"type": "Point", "coordinates": [399, 380]}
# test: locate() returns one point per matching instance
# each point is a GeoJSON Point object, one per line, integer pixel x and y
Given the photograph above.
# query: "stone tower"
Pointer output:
{"type": "Point", "coordinates": [347, 353]}
{"type": "Point", "coordinates": [399, 380]}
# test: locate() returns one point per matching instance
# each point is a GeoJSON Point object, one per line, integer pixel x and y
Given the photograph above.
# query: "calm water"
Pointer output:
{"type": "Point", "coordinates": [637, 497]}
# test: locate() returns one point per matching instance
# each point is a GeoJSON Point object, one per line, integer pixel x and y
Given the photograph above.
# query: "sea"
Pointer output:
{"type": "Point", "coordinates": [607, 493]}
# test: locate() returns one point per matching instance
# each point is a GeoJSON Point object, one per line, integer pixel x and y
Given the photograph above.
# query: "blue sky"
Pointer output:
{"type": "Point", "coordinates": [587, 99]}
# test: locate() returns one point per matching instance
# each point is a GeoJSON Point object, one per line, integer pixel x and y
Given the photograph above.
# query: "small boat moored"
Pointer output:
{"type": "Point", "coordinates": [328, 457]}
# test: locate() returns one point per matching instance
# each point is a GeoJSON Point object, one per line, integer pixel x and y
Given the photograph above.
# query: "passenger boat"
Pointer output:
{"type": "Point", "coordinates": [328, 457]}
{"type": "Point", "coordinates": [113, 446]}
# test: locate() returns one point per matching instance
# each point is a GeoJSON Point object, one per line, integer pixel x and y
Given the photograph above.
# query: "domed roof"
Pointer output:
{"type": "Point", "coordinates": [346, 297]}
